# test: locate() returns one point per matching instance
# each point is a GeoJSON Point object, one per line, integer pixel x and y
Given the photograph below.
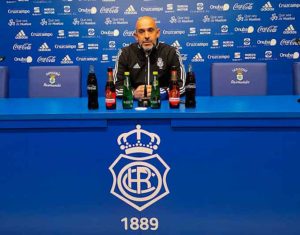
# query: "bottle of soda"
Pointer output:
{"type": "Point", "coordinates": [155, 92]}
{"type": "Point", "coordinates": [174, 92]}
{"type": "Point", "coordinates": [190, 89]}
{"type": "Point", "coordinates": [110, 90]}
{"type": "Point", "coordinates": [92, 89]}
{"type": "Point", "coordinates": [127, 100]}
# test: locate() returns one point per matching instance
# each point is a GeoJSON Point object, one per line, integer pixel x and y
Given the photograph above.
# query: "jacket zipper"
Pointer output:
{"type": "Point", "coordinates": [148, 61]}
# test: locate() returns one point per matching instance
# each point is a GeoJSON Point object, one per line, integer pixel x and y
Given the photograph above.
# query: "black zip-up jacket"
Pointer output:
{"type": "Point", "coordinates": [141, 66]}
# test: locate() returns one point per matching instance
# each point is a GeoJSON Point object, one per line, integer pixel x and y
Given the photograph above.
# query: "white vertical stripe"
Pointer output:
{"type": "Point", "coordinates": [117, 66]}
{"type": "Point", "coordinates": [182, 73]}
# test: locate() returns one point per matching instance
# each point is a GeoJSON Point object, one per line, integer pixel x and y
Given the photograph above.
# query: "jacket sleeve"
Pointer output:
{"type": "Point", "coordinates": [120, 68]}
{"type": "Point", "coordinates": [176, 60]}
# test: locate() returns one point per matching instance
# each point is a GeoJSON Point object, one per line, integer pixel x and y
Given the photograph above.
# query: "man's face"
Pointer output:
{"type": "Point", "coordinates": [146, 33]}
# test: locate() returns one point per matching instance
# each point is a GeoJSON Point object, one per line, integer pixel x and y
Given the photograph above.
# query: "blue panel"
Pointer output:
{"type": "Point", "coordinates": [229, 181]}
{"type": "Point", "coordinates": [229, 167]}
{"type": "Point", "coordinates": [3, 82]}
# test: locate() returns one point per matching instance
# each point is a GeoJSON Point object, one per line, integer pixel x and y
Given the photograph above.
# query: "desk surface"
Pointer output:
{"type": "Point", "coordinates": [207, 107]}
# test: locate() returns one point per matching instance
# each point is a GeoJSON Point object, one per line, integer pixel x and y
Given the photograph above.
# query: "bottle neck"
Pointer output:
{"type": "Point", "coordinates": [126, 81]}
{"type": "Point", "coordinates": [155, 81]}
{"type": "Point", "coordinates": [109, 76]}
{"type": "Point", "coordinates": [174, 75]}
{"type": "Point", "coordinates": [91, 69]}
{"type": "Point", "coordinates": [190, 68]}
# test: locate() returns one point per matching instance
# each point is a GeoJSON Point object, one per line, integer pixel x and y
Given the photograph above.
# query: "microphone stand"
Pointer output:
{"type": "Point", "coordinates": [145, 101]}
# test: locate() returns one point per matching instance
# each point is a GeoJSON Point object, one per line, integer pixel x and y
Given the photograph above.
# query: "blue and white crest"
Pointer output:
{"type": "Point", "coordinates": [160, 63]}
{"type": "Point", "coordinates": [139, 175]}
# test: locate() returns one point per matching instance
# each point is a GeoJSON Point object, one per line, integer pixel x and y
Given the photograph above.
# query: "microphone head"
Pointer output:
{"type": "Point", "coordinates": [2, 58]}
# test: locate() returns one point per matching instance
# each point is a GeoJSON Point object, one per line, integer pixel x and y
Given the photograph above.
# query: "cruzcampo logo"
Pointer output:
{"type": "Point", "coordinates": [139, 173]}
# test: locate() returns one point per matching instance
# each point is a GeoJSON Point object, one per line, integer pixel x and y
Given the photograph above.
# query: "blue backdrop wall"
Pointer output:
{"type": "Point", "coordinates": [83, 32]}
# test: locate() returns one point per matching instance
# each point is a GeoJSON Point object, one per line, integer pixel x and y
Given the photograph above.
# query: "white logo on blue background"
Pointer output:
{"type": "Point", "coordinates": [139, 175]}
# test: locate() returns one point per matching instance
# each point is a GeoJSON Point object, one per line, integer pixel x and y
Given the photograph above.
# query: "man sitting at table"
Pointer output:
{"type": "Point", "coordinates": [144, 57]}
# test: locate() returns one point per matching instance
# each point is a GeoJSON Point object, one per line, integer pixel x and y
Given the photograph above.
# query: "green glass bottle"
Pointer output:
{"type": "Point", "coordinates": [127, 100]}
{"type": "Point", "coordinates": [155, 92]}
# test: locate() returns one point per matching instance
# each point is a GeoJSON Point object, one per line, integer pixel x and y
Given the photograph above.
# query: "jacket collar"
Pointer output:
{"type": "Point", "coordinates": [153, 49]}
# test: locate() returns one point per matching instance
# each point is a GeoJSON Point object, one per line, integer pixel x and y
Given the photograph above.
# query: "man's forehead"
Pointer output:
{"type": "Point", "coordinates": [145, 28]}
{"type": "Point", "coordinates": [145, 23]}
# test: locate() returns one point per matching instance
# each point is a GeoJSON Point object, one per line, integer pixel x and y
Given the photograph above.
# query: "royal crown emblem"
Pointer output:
{"type": "Point", "coordinates": [138, 146]}
{"type": "Point", "coordinates": [139, 174]}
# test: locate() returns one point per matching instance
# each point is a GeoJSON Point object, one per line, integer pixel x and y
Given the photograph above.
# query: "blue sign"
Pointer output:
{"type": "Point", "coordinates": [83, 32]}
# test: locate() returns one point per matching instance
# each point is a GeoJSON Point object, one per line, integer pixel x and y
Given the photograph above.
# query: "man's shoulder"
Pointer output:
{"type": "Point", "coordinates": [165, 47]}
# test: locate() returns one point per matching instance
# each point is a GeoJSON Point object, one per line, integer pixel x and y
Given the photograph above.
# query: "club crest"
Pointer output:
{"type": "Point", "coordinates": [139, 173]}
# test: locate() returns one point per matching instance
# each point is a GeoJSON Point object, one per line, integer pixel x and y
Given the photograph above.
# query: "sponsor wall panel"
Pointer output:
{"type": "Point", "coordinates": [83, 32]}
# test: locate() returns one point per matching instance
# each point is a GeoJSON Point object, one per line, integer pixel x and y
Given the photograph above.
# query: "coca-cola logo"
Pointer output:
{"type": "Point", "coordinates": [285, 42]}
{"type": "Point", "coordinates": [128, 33]}
{"type": "Point", "coordinates": [109, 10]}
{"type": "Point", "coordinates": [270, 29]}
{"type": "Point", "coordinates": [246, 6]}
{"type": "Point", "coordinates": [22, 47]}
{"type": "Point", "coordinates": [49, 59]}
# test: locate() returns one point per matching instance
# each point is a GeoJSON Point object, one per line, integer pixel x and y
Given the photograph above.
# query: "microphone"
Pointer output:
{"type": "Point", "coordinates": [147, 54]}
{"type": "Point", "coordinates": [145, 101]}
{"type": "Point", "coordinates": [297, 40]}
{"type": "Point", "coordinates": [2, 58]}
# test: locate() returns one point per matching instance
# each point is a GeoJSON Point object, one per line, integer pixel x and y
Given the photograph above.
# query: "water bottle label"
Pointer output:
{"type": "Point", "coordinates": [127, 102]}
{"type": "Point", "coordinates": [154, 102]}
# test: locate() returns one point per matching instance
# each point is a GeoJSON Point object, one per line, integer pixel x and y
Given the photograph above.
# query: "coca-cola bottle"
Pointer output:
{"type": "Point", "coordinates": [174, 92]}
{"type": "Point", "coordinates": [190, 89]}
{"type": "Point", "coordinates": [92, 89]}
{"type": "Point", "coordinates": [110, 90]}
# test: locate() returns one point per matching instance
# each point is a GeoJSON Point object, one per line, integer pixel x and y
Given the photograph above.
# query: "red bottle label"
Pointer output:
{"type": "Point", "coordinates": [110, 98]}
{"type": "Point", "coordinates": [174, 97]}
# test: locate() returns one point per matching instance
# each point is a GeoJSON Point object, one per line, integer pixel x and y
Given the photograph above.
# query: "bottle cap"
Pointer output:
{"type": "Point", "coordinates": [92, 69]}
{"type": "Point", "coordinates": [190, 69]}
{"type": "Point", "coordinates": [109, 69]}
{"type": "Point", "coordinates": [126, 73]}
{"type": "Point", "coordinates": [155, 73]}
